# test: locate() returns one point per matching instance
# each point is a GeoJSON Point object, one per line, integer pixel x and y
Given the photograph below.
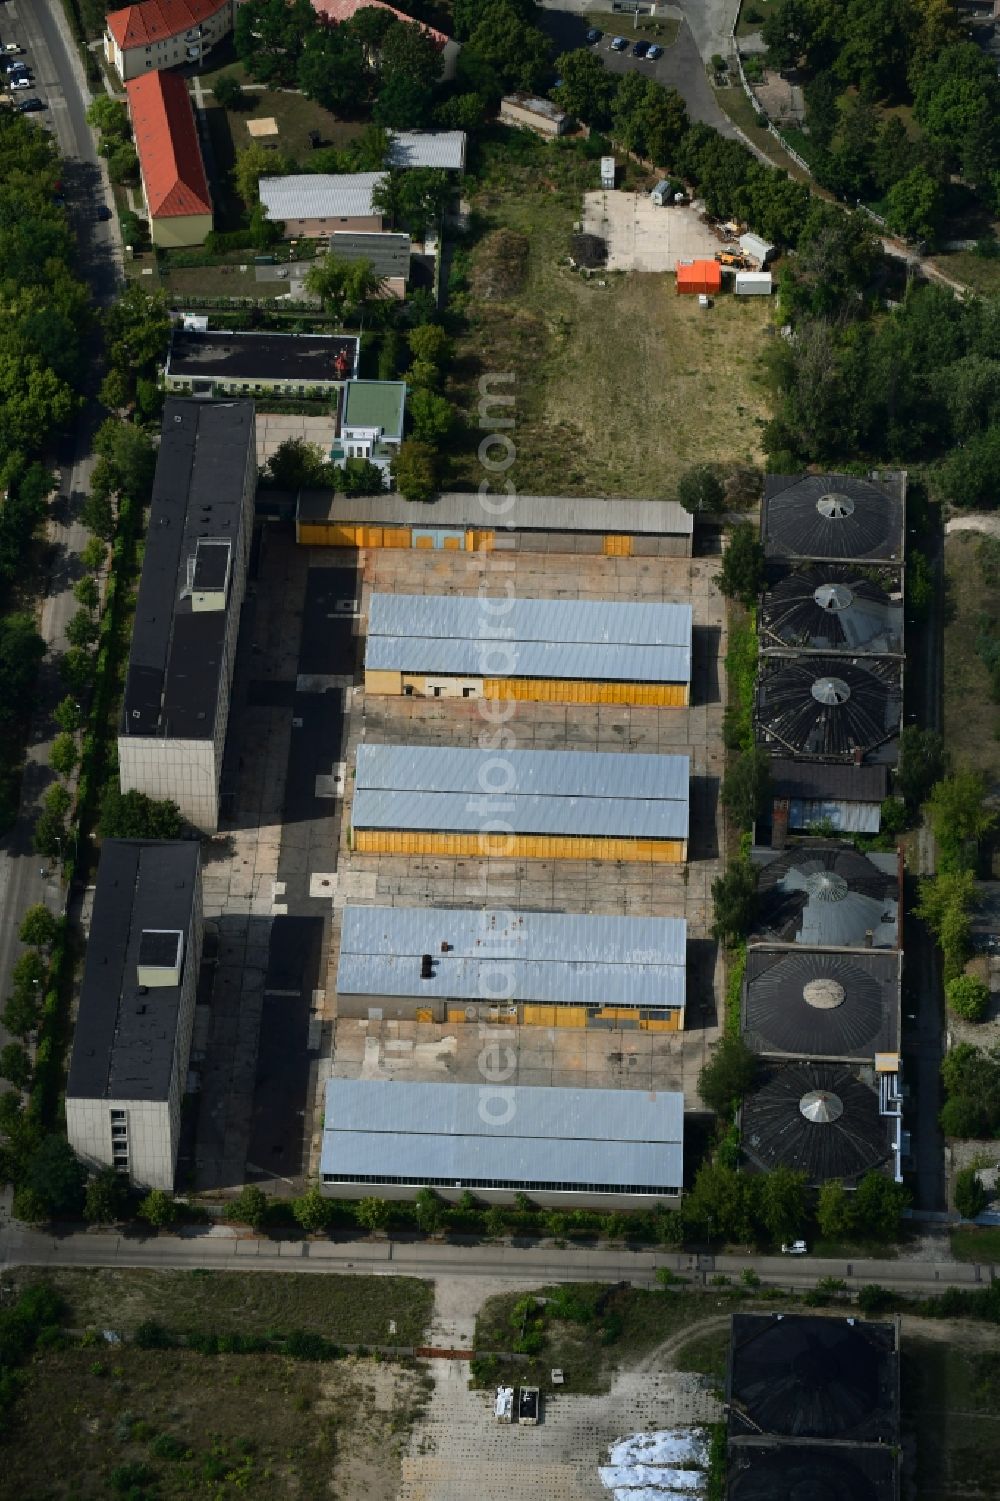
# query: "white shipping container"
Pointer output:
{"type": "Point", "coordinates": [754, 283]}
{"type": "Point", "coordinates": [607, 171]}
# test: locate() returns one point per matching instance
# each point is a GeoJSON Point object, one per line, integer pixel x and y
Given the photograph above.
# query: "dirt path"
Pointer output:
{"type": "Point", "coordinates": [976, 522]}
{"type": "Point", "coordinates": [661, 1359]}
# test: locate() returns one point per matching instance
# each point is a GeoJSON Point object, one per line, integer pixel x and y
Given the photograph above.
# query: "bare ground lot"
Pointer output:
{"type": "Point", "coordinates": [618, 388]}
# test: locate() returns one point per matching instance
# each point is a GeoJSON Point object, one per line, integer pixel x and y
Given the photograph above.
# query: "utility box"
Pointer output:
{"type": "Point", "coordinates": [528, 1399]}
{"type": "Point", "coordinates": [607, 171]}
{"type": "Point", "coordinates": [754, 284]}
{"type": "Point", "coordinates": [662, 194]}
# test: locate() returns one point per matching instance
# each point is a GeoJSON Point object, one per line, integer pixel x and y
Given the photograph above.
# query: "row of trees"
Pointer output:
{"type": "Point", "coordinates": [109, 117]}
{"type": "Point", "coordinates": [748, 1208]}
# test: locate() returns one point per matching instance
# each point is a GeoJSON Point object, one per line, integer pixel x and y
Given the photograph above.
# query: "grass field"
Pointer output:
{"type": "Point", "coordinates": [618, 388]}
{"type": "Point", "coordinates": [950, 1415]}
{"type": "Point", "coordinates": [975, 271]}
{"type": "Point", "coordinates": [349, 1310]}
{"type": "Point", "coordinates": [706, 1355]}
{"type": "Point", "coordinates": [982, 1245]}
{"type": "Point", "coordinates": [971, 719]}
{"type": "Point", "coordinates": [753, 14]}
{"type": "Point", "coordinates": [739, 109]}
{"type": "Point", "coordinates": [660, 29]}
{"type": "Point", "coordinates": [102, 1422]}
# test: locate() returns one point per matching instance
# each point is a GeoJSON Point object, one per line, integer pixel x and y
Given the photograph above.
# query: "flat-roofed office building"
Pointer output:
{"type": "Point", "coordinates": [132, 1041]}
{"type": "Point", "coordinates": [180, 668]}
{"type": "Point", "coordinates": [621, 1148]}
{"type": "Point", "coordinates": [552, 650]}
{"type": "Point", "coordinates": [549, 969]}
{"type": "Point", "coordinates": [548, 805]}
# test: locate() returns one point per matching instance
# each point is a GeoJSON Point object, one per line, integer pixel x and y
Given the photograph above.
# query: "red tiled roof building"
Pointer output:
{"type": "Point", "coordinates": [170, 162]}
{"type": "Point", "coordinates": [155, 34]}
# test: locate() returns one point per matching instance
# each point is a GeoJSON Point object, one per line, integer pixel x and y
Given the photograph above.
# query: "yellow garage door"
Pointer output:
{"type": "Point", "coordinates": [425, 1014]}
{"type": "Point", "coordinates": [617, 547]}
{"type": "Point", "coordinates": [540, 1016]}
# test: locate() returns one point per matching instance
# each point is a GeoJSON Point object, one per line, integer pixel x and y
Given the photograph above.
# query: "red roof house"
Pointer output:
{"type": "Point", "coordinates": [338, 11]}
{"type": "Point", "coordinates": [173, 173]}
{"type": "Point", "coordinates": [156, 34]}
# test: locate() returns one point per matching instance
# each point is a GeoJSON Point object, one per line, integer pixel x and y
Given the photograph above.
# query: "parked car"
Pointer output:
{"type": "Point", "coordinates": [28, 106]}
{"type": "Point", "coordinates": [594, 35]}
{"type": "Point", "coordinates": [620, 44]}
{"type": "Point", "coordinates": [794, 1248]}
{"type": "Point", "coordinates": [654, 52]}
{"type": "Point", "coordinates": [103, 212]}
{"type": "Point", "coordinates": [640, 49]}
{"type": "Point", "coordinates": [20, 81]}
{"type": "Point", "coordinates": [14, 65]}
{"type": "Point", "coordinates": [11, 48]}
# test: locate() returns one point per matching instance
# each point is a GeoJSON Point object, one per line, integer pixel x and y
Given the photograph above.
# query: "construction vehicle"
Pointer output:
{"type": "Point", "coordinates": [732, 258]}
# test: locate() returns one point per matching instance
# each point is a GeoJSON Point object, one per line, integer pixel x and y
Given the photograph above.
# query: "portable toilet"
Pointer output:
{"type": "Point", "coordinates": [662, 194]}
{"type": "Point", "coordinates": [607, 171]}
{"type": "Point", "coordinates": [754, 283]}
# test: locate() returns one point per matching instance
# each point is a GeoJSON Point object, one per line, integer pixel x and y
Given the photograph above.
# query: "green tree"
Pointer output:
{"type": "Point", "coordinates": [922, 762]}
{"type": "Point", "coordinates": [158, 1209]}
{"type": "Point", "coordinates": [332, 69]}
{"type": "Point", "coordinates": [76, 668]}
{"type": "Point", "coordinates": [50, 826]}
{"type": "Point", "coordinates": [228, 92]}
{"type": "Point", "coordinates": [957, 811]}
{"type": "Point", "coordinates": [129, 457]}
{"type": "Point", "coordinates": [428, 1211]}
{"type": "Point", "coordinates": [359, 477]}
{"type": "Point", "coordinates": [40, 928]}
{"type": "Point", "coordinates": [137, 333]}
{"type": "Point", "coordinates": [433, 417]}
{"type": "Point", "coordinates": [783, 1203]}
{"type": "Point", "coordinates": [722, 1203]}
{"type": "Point", "coordinates": [878, 1207]}
{"type": "Point", "coordinates": [734, 902]}
{"type": "Point", "coordinates": [21, 1013]}
{"type": "Point", "coordinates": [82, 629]}
{"type": "Point", "coordinates": [299, 465]}
{"type": "Point", "coordinates": [495, 1222]}
{"type": "Point", "coordinates": [372, 1214]}
{"type": "Point", "coordinates": [728, 1075]}
{"type": "Point", "coordinates": [968, 997]}
{"type": "Point", "coordinates": [504, 52]}
{"type": "Point", "coordinates": [971, 1197]}
{"type": "Point", "coordinates": [409, 68]}
{"type": "Point", "coordinates": [741, 576]}
{"type": "Point", "coordinates": [87, 593]}
{"type": "Point", "coordinates": [98, 515]}
{"type": "Point", "coordinates": [249, 1207]}
{"type": "Point", "coordinates": [344, 286]}
{"type": "Point", "coordinates": [109, 116]}
{"type": "Point", "coordinates": [746, 787]}
{"type": "Point", "coordinates": [106, 1197]}
{"type": "Point", "coordinates": [415, 470]}
{"type": "Point", "coordinates": [116, 390]}
{"type": "Point", "coordinates": [251, 164]}
{"type": "Point", "coordinates": [701, 491]}
{"type": "Point", "coordinates": [123, 163]}
{"type": "Point", "coordinates": [21, 651]}
{"type": "Point", "coordinates": [270, 36]}
{"type": "Point", "coordinates": [133, 815]}
{"type": "Point", "coordinates": [586, 88]}
{"type": "Point", "coordinates": [312, 1211]}
{"type": "Point", "coordinates": [429, 342]}
{"type": "Point", "coordinates": [15, 1065]}
{"type": "Point", "coordinates": [94, 555]}
{"type": "Point", "coordinates": [64, 755]}
{"type": "Point", "coordinates": [56, 1177]}
{"type": "Point", "coordinates": [915, 205]}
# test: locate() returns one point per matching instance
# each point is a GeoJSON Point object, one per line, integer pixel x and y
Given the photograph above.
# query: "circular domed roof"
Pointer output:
{"type": "Point", "coordinates": [826, 886]}
{"type": "Point", "coordinates": [833, 597]}
{"type": "Point", "coordinates": [824, 993]}
{"type": "Point", "coordinates": [835, 507]}
{"type": "Point", "coordinates": [821, 1106]}
{"type": "Point", "coordinates": [830, 691]}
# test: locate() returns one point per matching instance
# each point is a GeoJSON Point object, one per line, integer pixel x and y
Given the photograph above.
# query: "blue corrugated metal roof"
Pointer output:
{"type": "Point", "coordinates": [394, 1129]}
{"type": "Point", "coordinates": [503, 955]}
{"type": "Point", "coordinates": [603, 793]}
{"type": "Point", "coordinates": [563, 638]}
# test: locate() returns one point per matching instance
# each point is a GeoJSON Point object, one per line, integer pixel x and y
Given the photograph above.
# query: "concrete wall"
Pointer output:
{"type": "Point", "coordinates": [172, 51]}
{"type": "Point", "coordinates": [518, 1013]}
{"type": "Point", "coordinates": [514, 114]}
{"type": "Point", "coordinates": [180, 230]}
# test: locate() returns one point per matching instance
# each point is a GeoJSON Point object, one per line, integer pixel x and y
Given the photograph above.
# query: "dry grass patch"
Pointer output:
{"type": "Point", "coordinates": [971, 718]}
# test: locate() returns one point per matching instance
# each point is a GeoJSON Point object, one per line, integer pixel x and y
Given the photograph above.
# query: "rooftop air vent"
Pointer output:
{"type": "Point", "coordinates": [831, 691]}
{"type": "Point", "coordinates": [835, 507]}
{"type": "Point", "coordinates": [823, 993]}
{"type": "Point", "coordinates": [821, 1106]}
{"type": "Point", "coordinates": [833, 597]}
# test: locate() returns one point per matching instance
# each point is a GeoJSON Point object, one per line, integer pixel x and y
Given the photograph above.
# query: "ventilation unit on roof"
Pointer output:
{"type": "Point", "coordinates": [161, 958]}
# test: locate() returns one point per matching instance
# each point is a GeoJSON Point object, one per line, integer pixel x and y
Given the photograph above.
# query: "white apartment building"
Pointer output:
{"type": "Point", "coordinates": [157, 34]}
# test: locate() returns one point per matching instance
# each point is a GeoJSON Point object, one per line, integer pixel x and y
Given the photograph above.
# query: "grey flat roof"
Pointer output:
{"type": "Point", "coordinates": [827, 895]}
{"type": "Point", "coordinates": [603, 793]}
{"type": "Point", "coordinates": [611, 1139]}
{"type": "Point", "coordinates": [518, 513]}
{"type": "Point", "coordinates": [228, 355]}
{"type": "Point", "coordinates": [123, 1045]}
{"type": "Point", "coordinates": [535, 638]}
{"type": "Point", "coordinates": [389, 254]}
{"type": "Point", "coordinates": [320, 195]}
{"type": "Point", "coordinates": [824, 780]}
{"type": "Point", "coordinates": [552, 957]}
{"type": "Point", "coordinates": [427, 148]}
{"type": "Point", "coordinates": [175, 665]}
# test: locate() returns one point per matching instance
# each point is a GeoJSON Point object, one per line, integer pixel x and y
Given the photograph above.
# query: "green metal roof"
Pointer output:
{"type": "Point", "coordinates": [376, 403]}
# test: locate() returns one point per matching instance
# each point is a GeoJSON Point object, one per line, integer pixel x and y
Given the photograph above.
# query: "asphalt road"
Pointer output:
{"type": "Point", "coordinates": [39, 26]}
{"type": "Point", "coordinates": [220, 1249]}
{"type": "Point", "coordinates": [711, 21]}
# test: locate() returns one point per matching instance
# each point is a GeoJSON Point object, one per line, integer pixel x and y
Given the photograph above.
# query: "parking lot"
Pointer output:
{"type": "Point", "coordinates": [279, 874]}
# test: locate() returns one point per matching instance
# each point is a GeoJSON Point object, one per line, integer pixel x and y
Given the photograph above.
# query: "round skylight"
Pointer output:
{"type": "Point", "coordinates": [821, 1107]}
{"type": "Point", "coordinates": [835, 507]}
{"type": "Point", "coordinates": [826, 886]}
{"type": "Point", "coordinates": [830, 691]}
{"type": "Point", "coordinates": [825, 994]}
{"type": "Point", "coordinates": [833, 597]}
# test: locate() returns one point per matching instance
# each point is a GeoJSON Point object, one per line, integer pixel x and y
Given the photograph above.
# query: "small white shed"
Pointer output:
{"type": "Point", "coordinates": [662, 194]}
{"type": "Point", "coordinates": [757, 248]}
{"type": "Point", "coordinates": [754, 284]}
{"type": "Point", "coordinates": [607, 171]}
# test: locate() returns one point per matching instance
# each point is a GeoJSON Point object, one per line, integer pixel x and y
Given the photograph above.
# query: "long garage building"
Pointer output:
{"type": "Point", "coordinates": [565, 1147]}
{"type": "Point", "coordinates": [549, 805]}
{"type": "Point", "coordinates": [549, 969]}
{"type": "Point", "coordinates": [579, 651]}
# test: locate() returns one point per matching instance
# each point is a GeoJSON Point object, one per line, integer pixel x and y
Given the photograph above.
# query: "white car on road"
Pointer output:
{"type": "Point", "coordinates": [794, 1248]}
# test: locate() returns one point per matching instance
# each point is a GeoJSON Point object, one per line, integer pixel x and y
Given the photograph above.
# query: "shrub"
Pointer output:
{"type": "Point", "coordinates": [873, 1300]}
{"type": "Point", "coordinates": [968, 997]}
{"type": "Point", "coordinates": [971, 1197]}
{"type": "Point", "coordinates": [151, 1335]}
{"type": "Point", "coordinates": [248, 1208]}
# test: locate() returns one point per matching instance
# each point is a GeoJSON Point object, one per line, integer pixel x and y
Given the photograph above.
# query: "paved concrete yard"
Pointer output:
{"type": "Point", "coordinates": [458, 1449]}
{"type": "Point", "coordinates": [274, 428]}
{"type": "Point", "coordinates": [643, 237]}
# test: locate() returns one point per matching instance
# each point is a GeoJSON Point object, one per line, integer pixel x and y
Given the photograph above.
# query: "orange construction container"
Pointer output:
{"type": "Point", "coordinates": [699, 276]}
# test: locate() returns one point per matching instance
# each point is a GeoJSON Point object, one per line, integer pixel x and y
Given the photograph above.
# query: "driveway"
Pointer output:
{"type": "Point", "coordinates": [711, 21]}
{"type": "Point", "coordinates": [640, 236]}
